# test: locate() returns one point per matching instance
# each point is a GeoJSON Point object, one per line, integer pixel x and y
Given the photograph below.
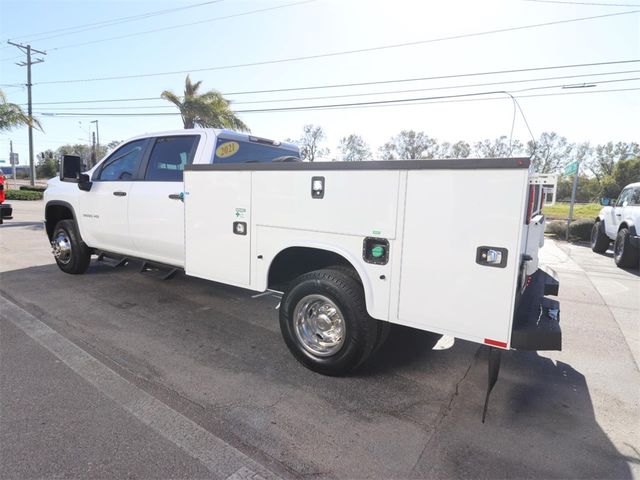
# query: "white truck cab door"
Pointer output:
{"type": "Point", "coordinates": [617, 212]}
{"type": "Point", "coordinates": [103, 209]}
{"type": "Point", "coordinates": [156, 206]}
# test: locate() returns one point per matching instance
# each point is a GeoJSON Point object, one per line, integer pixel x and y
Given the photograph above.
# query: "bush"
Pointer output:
{"type": "Point", "coordinates": [36, 188]}
{"type": "Point", "coordinates": [23, 195]}
{"type": "Point", "coordinates": [581, 229]}
{"type": "Point", "coordinates": [556, 227]}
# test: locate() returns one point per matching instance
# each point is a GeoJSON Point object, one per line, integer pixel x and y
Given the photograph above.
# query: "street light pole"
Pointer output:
{"type": "Point", "coordinates": [97, 138]}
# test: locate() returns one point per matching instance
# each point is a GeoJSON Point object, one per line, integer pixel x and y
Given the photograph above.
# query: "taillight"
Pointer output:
{"type": "Point", "coordinates": [532, 199]}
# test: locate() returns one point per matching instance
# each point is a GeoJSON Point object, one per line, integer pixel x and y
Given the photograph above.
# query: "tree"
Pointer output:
{"type": "Point", "coordinates": [12, 116]}
{"type": "Point", "coordinates": [410, 145]}
{"type": "Point", "coordinates": [85, 151]}
{"type": "Point", "coordinates": [310, 149]}
{"type": "Point", "coordinates": [605, 156]}
{"type": "Point", "coordinates": [550, 153]}
{"type": "Point", "coordinates": [354, 149]}
{"type": "Point", "coordinates": [460, 149]}
{"type": "Point", "coordinates": [48, 165]}
{"type": "Point", "coordinates": [498, 148]}
{"type": "Point", "coordinates": [208, 110]}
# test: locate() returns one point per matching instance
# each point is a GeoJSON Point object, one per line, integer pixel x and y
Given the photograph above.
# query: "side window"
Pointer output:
{"type": "Point", "coordinates": [169, 156]}
{"type": "Point", "coordinates": [634, 200]}
{"type": "Point", "coordinates": [624, 198]}
{"type": "Point", "coordinates": [123, 164]}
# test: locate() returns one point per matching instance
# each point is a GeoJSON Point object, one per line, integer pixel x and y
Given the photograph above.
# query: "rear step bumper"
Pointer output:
{"type": "Point", "coordinates": [536, 323]}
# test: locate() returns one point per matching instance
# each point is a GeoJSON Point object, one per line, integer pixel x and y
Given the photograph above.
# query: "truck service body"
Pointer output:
{"type": "Point", "coordinates": [449, 246]}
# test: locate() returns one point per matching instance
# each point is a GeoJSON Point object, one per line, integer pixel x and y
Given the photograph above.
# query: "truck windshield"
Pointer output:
{"type": "Point", "coordinates": [241, 151]}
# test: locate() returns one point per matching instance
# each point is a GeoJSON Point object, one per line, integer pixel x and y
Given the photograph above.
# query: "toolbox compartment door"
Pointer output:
{"type": "Point", "coordinates": [450, 217]}
{"type": "Point", "coordinates": [216, 247]}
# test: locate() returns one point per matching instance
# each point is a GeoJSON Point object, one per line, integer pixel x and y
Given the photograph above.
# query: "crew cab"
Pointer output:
{"type": "Point", "coordinates": [449, 246]}
{"type": "Point", "coordinates": [618, 222]}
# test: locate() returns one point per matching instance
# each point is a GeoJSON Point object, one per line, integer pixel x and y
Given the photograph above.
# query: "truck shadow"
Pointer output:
{"type": "Point", "coordinates": [541, 423]}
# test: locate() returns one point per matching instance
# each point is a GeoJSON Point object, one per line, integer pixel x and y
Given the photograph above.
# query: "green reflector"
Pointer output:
{"type": "Point", "coordinates": [377, 251]}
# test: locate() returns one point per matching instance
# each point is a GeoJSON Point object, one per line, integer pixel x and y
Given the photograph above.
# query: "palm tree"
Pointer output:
{"type": "Point", "coordinates": [12, 116]}
{"type": "Point", "coordinates": [209, 109]}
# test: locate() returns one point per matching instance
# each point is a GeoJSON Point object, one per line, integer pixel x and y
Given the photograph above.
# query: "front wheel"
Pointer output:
{"type": "Point", "coordinates": [71, 253]}
{"type": "Point", "coordinates": [624, 254]}
{"type": "Point", "coordinates": [599, 240]}
{"type": "Point", "coordinates": [325, 324]}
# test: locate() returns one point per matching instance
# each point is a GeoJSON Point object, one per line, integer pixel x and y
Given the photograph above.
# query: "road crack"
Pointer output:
{"type": "Point", "coordinates": [445, 411]}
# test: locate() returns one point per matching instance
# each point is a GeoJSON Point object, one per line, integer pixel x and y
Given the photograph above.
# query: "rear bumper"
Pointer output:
{"type": "Point", "coordinates": [536, 323]}
{"type": "Point", "coordinates": [6, 210]}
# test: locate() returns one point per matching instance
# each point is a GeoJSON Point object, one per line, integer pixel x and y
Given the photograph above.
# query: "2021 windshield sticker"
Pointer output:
{"type": "Point", "coordinates": [227, 149]}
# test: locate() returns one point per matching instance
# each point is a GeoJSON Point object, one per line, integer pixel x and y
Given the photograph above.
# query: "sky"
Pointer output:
{"type": "Point", "coordinates": [223, 34]}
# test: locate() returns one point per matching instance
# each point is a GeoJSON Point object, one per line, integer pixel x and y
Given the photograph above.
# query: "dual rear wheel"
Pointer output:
{"type": "Point", "coordinates": [325, 324]}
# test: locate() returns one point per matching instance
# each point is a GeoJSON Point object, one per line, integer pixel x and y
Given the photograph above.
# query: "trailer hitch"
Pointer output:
{"type": "Point", "coordinates": [495, 354]}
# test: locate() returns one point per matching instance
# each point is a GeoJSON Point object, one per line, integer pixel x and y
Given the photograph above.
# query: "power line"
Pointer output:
{"type": "Point", "coordinates": [113, 21]}
{"type": "Point", "coordinates": [561, 2]}
{"type": "Point", "coordinates": [171, 27]}
{"type": "Point", "coordinates": [391, 92]}
{"type": "Point", "coordinates": [403, 102]}
{"type": "Point", "coordinates": [343, 52]}
{"type": "Point", "coordinates": [359, 84]}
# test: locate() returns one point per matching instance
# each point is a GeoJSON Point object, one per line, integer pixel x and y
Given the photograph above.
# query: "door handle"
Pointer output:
{"type": "Point", "coordinates": [177, 196]}
{"type": "Point", "coordinates": [119, 194]}
{"type": "Point", "coordinates": [618, 214]}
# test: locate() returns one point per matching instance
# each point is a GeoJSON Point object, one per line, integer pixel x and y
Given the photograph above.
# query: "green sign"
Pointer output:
{"type": "Point", "coordinates": [571, 169]}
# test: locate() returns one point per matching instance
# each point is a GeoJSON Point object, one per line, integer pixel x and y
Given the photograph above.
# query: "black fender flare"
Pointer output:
{"type": "Point", "coordinates": [60, 203]}
{"type": "Point", "coordinates": [631, 226]}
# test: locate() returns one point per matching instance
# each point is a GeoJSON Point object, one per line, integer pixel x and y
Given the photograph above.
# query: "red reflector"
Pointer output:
{"type": "Point", "coordinates": [495, 343]}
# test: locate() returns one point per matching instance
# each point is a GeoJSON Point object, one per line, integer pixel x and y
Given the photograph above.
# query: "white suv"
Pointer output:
{"type": "Point", "coordinates": [618, 222]}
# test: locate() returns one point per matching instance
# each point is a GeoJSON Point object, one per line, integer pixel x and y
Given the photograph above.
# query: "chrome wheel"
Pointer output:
{"type": "Point", "coordinates": [61, 246]}
{"type": "Point", "coordinates": [319, 325]}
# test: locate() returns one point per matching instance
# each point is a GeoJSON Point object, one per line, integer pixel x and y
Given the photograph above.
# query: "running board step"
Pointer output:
{"type": "Point", "coordinates": [157, 270]}
{"type": "Point", "coordinates": [113, 262]}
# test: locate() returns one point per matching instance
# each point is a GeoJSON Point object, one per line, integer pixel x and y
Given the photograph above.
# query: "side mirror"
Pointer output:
{"type": "Point", "coordinates": [70, 168]}
{"type": "Point", "coordinates": [605, 202]}
{"type": "Point", "coordinates": [84, 182]}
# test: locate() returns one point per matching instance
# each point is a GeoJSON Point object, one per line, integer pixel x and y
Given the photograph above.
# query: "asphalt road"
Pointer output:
{"type": "Point", "coordinates": [116, 374]}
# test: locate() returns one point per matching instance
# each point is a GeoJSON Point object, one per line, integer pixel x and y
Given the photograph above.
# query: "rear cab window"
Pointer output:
{"type": "Point", "coordinates": [238, 148]}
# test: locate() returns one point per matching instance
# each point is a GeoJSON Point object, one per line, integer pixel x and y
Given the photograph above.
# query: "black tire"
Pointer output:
{"type": "Point", "coordinates": [599, 240]}
{"type": "Point", "coordinates": [383, 327]}
{"type": "Point", "coordinates": [624, 254]}
{"type": "Point", "coordinates": [347, 295]}
{"type": "Point", "coordinates": [75, 260]}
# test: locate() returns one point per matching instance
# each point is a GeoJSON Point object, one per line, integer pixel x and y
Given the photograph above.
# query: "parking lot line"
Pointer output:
{"type": "Point", "coordinates": [221, 458]}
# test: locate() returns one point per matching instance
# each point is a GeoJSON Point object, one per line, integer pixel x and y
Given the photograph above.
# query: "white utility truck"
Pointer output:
{"type": "Point", "coordinates": [449, 246]}
{"type": "Point", "coordinates": [617, 222]}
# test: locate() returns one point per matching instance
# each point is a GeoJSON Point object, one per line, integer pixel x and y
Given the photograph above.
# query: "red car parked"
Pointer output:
{"type": "Point", "coordinates": [5, 208]}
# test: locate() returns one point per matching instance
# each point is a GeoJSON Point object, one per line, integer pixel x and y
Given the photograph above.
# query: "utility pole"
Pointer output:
{"type": "Point", "coordinates": [27, 49]}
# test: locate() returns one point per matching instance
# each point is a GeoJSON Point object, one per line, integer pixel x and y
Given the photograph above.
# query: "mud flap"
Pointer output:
{"type": "Point", "coordinates": [495, 355]}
